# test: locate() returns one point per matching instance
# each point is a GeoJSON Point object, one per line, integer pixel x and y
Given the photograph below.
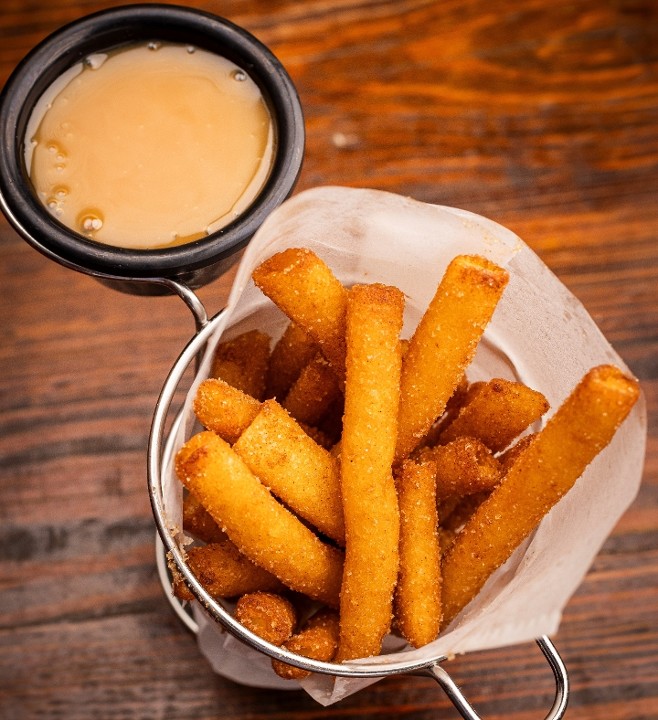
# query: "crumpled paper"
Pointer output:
{"type": "Point", "coordinates": [540, 334]}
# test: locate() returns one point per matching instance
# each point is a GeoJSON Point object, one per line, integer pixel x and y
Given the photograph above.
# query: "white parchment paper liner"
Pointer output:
{"type": "Point", "coordinates": [540, 334]}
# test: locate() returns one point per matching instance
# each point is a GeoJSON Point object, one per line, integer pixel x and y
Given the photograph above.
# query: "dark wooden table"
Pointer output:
{"type": "Point", "coordinates": [541, 115]}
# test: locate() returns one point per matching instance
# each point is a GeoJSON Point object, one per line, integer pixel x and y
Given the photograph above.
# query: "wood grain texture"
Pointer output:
{"type": "Point", "coordinates": [541, 115]}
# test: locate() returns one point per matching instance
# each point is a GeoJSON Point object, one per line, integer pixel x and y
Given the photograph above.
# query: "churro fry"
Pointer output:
{"type": "Point", "coordinates": [444, 344]}
{"type": "Point", "coordinates": [228, 412]}
{"type": "Point", "coordinates": [314, 392]}
{"type": "Point", "coordinates": [268, 615]}
{"type": "Point", "coordinates": [539, 476]}
{"type": "Point", "coordinates": [262, 529]}
{"type": "Point", "coordinates": [290, 354]}
{"type": "Point", "coordinates": [306, 290]}
{"type": "Point", "coordinates": [317, 640]}
{"type": "Point", "coordinates": [496, 412]}
{"type": "Point", "coordinates": [242, 362]}
{"type": "Point", "coordinates": [224, 409]}
{"type": "Point", "coordinates": [464, 466]}
{"type": "Point", "coordinates": [224, 572]}
{"type": "Point", "coordinates": [295, 468]}
{"type": "Point", "coordinates": [418, 593]}
{"type": "Point", "coordinates": [198, 522]}
{"type": "Point", "coordinates": [374, 321]}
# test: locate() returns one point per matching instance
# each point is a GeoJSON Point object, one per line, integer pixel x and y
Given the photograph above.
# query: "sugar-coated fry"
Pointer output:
{"type": "Point", "coordinates": [372, 523]}
{"type": "Point", "coordinates": [242, 362]}
{"type": "Point", "coordinates": [496, 412]}
{"type": "Point", "coordinates": [540, 475]}
{"type": "Point", "coordinates": [224, 409]}
{"type": "Point", "coordinates": [314, 392]}
{"type": "Point", "coordinates": [228, 412]}
{"type": "Point", "coordinates": [268, 615]}
{"type": "Point", "coordinates": [198, 522]}
{"type": "Point", "coordinates": [317, 640]}
{"type": "Point", "coordinates": [464, 466]}
{"type": "Point", "coordinates": [295, 468]}
{"type": "Point", "coordinates": [262, 529]}
{"type": "Point", "coordinates": [444, 343]}
{"type": "Point", "coordinates": [290, 354]}
{"type": "Point", "coordinates": [303, 286]}
{"type": "Point", "coordinates": [224, 572]}
{"type": "Point", "coordinates": [418, 593]}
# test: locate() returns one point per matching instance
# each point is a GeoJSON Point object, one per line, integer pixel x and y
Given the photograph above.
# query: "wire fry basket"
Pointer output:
{"type": "Point", "coordinates": [161, 450]}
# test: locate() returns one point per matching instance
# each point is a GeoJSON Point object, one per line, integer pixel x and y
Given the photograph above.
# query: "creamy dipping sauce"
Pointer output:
{"type": "Point", "coordinates": [150, 146]}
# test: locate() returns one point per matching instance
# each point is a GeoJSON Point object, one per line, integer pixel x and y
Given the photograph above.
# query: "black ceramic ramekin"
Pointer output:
{"type": "Point", "coordinates": [195, 263]}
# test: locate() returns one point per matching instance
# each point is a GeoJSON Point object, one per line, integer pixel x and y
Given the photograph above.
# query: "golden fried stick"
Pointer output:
{"type": "Point", "coordinates": [372, 523]}
{"type": "Point", "coordinates": [199, 523]}
{"type": "Point", "coordinates": [268, 615]}
{"type": "Point", "coordinates": [242, 362]}
{"type": "Point", "coordinates": [313, 392]}
{"type": "Point", "coordinates": [464, 466]}
{"type": "Point", "coordinates": [444, 343]}
{"type": "Point", "coordinates": [317, 640]}
{"type": "Point", "coordinates": [295, 468]}
{"type": "Point", "coordinates": [418, 593]}
{"type": "Point", "coordinates": [228, 412]}
{"type": "Point", "coordinates": [224, 409]}
{"type": "Point", "coordinates": [290, 354]}
{"type": "Point", "coordinates": [496, 412]}
{"type": "Point", "coordinates": [539, 476]}
{"type": "Point", "coordinates": [303, 286]}
{"type": "Point", "coordinates": [261, 528]}
{"type": "Point", "coordinates": [224, 572]}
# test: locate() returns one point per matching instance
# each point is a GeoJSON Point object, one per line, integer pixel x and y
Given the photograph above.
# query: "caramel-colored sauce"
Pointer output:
{"type": "Point", "coordinates": [150, 146]}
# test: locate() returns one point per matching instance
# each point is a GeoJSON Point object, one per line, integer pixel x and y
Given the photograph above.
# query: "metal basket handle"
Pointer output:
{"type": "Point", "coordinates": [467, 711]}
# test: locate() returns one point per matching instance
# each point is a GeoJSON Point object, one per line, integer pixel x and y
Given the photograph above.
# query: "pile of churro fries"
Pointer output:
{"type": "Point", "coordinates": [350, 483]}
